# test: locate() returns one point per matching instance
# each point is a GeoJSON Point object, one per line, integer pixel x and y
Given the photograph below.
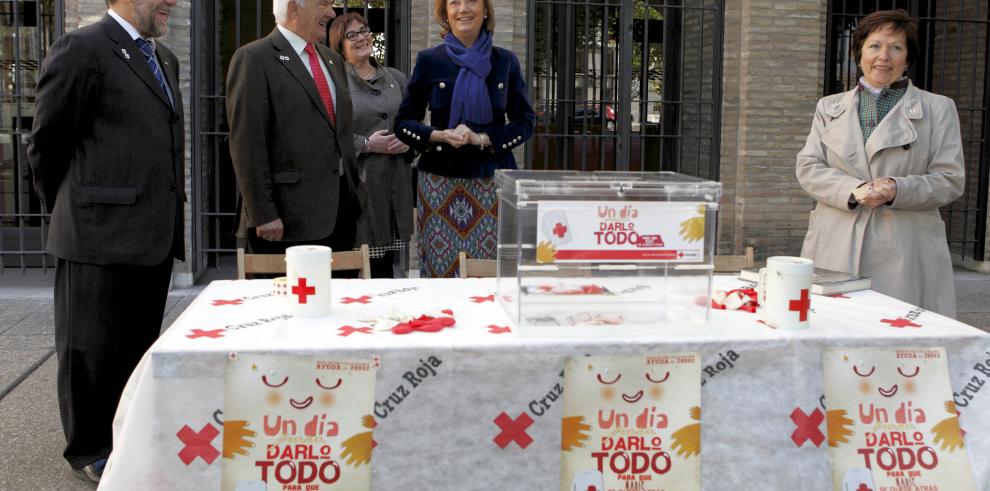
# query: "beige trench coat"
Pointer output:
{"type": "Point", "coordinates": [902, 246]}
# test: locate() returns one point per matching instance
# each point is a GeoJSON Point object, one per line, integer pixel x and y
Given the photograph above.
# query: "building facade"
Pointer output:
{"type": "Point", "coordinates": [721, 89]}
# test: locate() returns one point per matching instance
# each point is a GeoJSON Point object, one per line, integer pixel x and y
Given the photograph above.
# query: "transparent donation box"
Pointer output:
{"type": "Point", "coordinates": [604, 253]}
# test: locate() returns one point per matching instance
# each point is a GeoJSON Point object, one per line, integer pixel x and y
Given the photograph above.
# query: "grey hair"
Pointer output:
{"type": "Point", "coordinates": [281, 9]}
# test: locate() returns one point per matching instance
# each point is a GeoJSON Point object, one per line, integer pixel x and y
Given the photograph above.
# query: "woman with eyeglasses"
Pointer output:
{"type": "Point", "coordinates": [479, 113]}
{"type": "Point", "coordinates": [383, 160]}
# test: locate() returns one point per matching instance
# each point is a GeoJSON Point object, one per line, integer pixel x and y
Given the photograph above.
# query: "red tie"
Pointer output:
{"type": "Point", "coordinates": [321, 83]}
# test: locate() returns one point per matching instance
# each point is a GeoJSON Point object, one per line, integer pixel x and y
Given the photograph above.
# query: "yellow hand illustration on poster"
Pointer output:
{"type": "Point", "coordinates": [631, 423]}
{"type": "Point", "coordinates": [297, 422]}
{"type": "Point", "coordinates": [892, 428]}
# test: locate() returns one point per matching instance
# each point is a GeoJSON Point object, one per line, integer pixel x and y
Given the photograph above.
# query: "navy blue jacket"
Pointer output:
{"type": "Point", "coordinates": [432, 85]}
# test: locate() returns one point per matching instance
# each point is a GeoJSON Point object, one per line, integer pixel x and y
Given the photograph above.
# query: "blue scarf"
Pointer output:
{"type": "Point", "coordinates": [470, 102]}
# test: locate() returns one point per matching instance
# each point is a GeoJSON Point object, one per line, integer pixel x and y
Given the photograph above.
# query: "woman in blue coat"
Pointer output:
{"type": "Point", "coordinates": [479, 112]}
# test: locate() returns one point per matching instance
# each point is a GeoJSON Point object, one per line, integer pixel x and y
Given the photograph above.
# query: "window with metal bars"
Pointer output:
{"type": "Point", "coordinates": [27, 28]}
{"type": "Point", "coordinates": [626, 85]}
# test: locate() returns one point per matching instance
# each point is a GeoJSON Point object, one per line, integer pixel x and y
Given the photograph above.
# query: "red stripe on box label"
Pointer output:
{"type": "Point", "coordinates": [626, 255]}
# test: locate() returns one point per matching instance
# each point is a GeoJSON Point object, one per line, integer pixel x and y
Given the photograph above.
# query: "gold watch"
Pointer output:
{"type": "Point", "coordinates": [484, 141]}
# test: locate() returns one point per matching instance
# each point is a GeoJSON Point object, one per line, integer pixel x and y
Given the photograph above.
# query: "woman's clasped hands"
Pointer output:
{"type": "Point", "coordinates": [458, 137]}
{"type": "Point", "coordinates": [877, 192]}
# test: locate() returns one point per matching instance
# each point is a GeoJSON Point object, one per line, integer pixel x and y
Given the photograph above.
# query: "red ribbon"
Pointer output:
{"type": "Point", "coordinates": [749, 306]}
{"type": "Point", "coordinates": [424, 323]}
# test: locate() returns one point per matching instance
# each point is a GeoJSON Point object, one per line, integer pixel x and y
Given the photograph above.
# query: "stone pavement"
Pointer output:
{"type": "Point", "coordinates": [30, 431]}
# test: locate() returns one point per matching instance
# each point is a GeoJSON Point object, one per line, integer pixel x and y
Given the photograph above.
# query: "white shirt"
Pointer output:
{"type": "Point", "coordinates": [299, 45]}
{"type": "Point", "coordinates": [136, 35]}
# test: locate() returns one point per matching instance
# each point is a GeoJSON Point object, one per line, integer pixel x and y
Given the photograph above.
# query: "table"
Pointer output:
{"type": "Point", "coordinates": [436, 428]}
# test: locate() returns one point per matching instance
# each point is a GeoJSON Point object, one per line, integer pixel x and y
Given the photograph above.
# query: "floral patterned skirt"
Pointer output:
{"type": "Point", "coordinates": [454, 214]}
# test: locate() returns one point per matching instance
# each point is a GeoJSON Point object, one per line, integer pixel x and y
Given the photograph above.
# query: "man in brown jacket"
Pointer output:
{"type": "Point", "coordinates": [290, 135]}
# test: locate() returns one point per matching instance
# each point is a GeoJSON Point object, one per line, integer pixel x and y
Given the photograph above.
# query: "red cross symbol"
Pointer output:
{"type": "Point", "coordinates": [680, 254]}
{"type": "Point", "coordinates": [837, 295]}
{"type": "Point", "coordinates": [493, 329]}
{"type": "Point", "coordinates": [489, 298]}
{"type": "Point", "coordinates": [559, 230]}
{"type": "Point", "coordinates": [217, 303]}
{"type": "Point", "coordinates": [362, 299]}
{"type": "Point", "coordinates": [513, 430]}
{"type": "Point", "coordinates": [900, 322]}
{"type": "Point", "coordinates": [807, 427]}
{"type": "Point", "coordinates": [348, 330]}
{"type": "Point", "coordinates": [199, 333]}
{"type": "Point", "coordinates": [863, 487]}
{"type": "Point", "coordinates": [302, 290]}
{"type": "Point", "coordinates": [802, 305]}
{"type": "Point", "coordinates": [198, 444]}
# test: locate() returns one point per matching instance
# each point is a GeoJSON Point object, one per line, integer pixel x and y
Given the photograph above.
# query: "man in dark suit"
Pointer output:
{"type": "Point", "coordinates": [107, 155]}
{"type": "Point", "coordinates": [290, 135]}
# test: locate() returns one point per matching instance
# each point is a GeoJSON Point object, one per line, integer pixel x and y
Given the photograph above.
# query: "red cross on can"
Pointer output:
{"type": "Point", "coordinates": [308, 280]}
{"type": "Point", "coordinates": [784, 292]}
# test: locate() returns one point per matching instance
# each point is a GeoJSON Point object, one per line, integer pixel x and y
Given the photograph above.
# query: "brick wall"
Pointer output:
{"type": "Point", "coordinates": [773, 63]}
{"type": "Point", "coordinates": [697, 92]}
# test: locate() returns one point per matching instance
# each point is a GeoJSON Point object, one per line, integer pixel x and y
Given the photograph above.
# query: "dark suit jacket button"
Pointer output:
{"type": "Point", "coordinates": [175, 187]}
{"type": "Point", "coordinates": [376, 92]}
{"type": "Point", "coordinates": [384, 115]}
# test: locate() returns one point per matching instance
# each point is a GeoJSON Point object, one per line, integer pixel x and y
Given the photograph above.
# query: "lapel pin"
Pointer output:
{"type": "Point", "coordinates": [330, 61]}
{"type": "Point", "coordinates": [283, 57]}
{"type": "Point", "coordinates": [124, 51]}
{"type": "Point", "coordinates": [165, 62]}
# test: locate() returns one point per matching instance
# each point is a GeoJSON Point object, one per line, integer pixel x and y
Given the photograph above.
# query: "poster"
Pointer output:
{"type": "Point", "coordinates": [892, 425]}
{"type": "Point", "coordinates": [620, 231]}
{"type": "Point", "coordinates": [297, 423]}
{"type": "Point", "coordinates": [631, 423]}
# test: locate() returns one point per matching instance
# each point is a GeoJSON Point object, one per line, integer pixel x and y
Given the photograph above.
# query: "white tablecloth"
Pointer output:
{"type": "Point", "coordinates": [436, 431]}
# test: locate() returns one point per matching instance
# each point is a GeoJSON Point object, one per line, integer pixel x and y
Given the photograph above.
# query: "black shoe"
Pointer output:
{"type": "Point", "coordinates": [92, 472]}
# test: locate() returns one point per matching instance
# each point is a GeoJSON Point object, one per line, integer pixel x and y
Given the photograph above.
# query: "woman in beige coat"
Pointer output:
{"type": "Point", "coordinates": [880, 160]}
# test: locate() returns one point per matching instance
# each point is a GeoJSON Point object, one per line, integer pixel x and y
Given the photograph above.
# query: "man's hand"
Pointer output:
{"type": "Point", "coordinates": [271, 231]}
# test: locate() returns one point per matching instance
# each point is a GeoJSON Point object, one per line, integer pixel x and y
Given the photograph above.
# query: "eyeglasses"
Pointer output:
{"type": "Point", "coordinates": [353, 35]}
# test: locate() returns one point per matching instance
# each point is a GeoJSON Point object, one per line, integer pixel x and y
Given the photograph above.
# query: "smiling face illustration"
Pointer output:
{"type": "Point", "coordinates": [633, 388]}
{"type": "Point", "coordinates": [887, 384]}
{"type": "Point", "coordinates": [616, 407]}
{"type": "Point", "coordinates": [300, 396]}
{"type": "Point", "coordinates": [886, 410]}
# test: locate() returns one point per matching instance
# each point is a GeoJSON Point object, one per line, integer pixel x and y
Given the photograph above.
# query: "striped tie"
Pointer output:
{"type": "Point", "coordinates": [148, 49]}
